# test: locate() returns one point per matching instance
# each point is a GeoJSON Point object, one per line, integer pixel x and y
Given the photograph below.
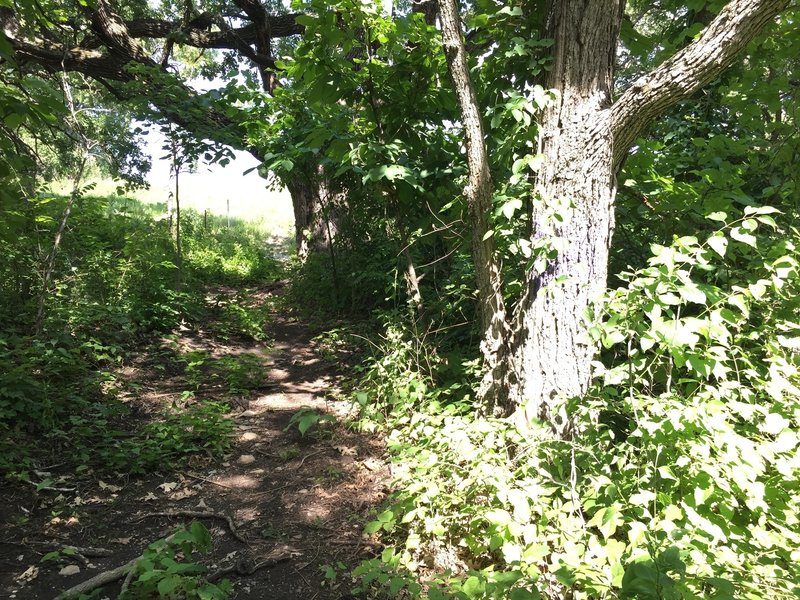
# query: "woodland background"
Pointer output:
{"type": "Point", "coordinates": [569, 413]}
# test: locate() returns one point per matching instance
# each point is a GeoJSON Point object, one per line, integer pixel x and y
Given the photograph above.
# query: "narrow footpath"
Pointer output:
{"type": "Point", "coordinates": [280, 506]}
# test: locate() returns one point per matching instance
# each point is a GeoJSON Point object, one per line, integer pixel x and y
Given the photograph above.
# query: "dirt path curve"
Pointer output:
{"type": "Point", "coordinates": [301, 499]}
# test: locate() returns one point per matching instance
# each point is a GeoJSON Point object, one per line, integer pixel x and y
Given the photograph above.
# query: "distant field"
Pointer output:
{"type": "Point", "coordinates": [222, 192]}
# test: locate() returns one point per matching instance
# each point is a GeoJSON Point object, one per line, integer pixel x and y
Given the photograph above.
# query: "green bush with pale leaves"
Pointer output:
{"type": "Point", "coordinates": [684, 481]}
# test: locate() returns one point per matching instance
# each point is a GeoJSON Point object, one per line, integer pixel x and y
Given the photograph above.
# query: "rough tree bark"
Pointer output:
{"type": "Point", "coordinates": [586, 136]}
{"type": "Point", "coordinates": [585, 139]}
{"type": "Point", "coordinates": [315, 213]}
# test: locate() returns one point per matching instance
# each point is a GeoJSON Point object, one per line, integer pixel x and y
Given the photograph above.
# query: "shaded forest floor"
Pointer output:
{"type": "Point", "coordinates": [286, 502]}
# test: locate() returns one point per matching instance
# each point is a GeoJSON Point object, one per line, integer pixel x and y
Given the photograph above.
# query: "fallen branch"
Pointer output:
{"type": "Point", "coordinates": [127, 571]}
{"type": "Point", "coordinates": [99, 580]}
{"type": "Point", "coordinates": [199, 515]}
{"type": "Point", "coordinates": [244, 569]}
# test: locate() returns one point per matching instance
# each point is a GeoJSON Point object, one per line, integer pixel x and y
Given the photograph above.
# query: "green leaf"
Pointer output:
{"type": "Point", "coordinates": [524, 594]}
{"type": "Point", "coordinates": [498, 517]}
{"type": "Point", "coordinates": [306, 20]}
{"type": "Point", "coordinates": [740, 235]}
{"type": "Point", "coordinates": [168, 585]}
{"type": "Point", "coordinates": [201, 535]}
{"type": "Point", "coordinates": [473, 587]}
{"type": "Point", "coordinates": [718, 243]}
{"type": "Point", "coordinates": [760, 210]}
{"type": "Point", "coordinates": [691, 293]}
{"type": "Point", "coordinates": [395, 585]}
{"type": "Point", "coordinates": [717, 216]}
{"type": "Point", "coordinates": [372, 527]}
{"type": "Point", "coordinates": [607, 520]}
{"type": "Point", "coordinates": [386, 516]}
{"type": "Point", "coordinates": [306, 422]}
{"type": "Point", "coordinates": [509, 208]}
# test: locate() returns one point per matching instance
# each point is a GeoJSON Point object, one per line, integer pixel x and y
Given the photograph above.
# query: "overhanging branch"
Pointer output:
{"type": "Point", "coordinates": [726, 36]}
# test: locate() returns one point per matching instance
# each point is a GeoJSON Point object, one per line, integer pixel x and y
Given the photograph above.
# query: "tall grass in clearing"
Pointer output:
{"type": "Point", "coordinates": [234, 199]}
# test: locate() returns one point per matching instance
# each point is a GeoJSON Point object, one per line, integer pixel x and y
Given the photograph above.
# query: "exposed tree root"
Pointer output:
{"type": "Point", "coordinates": [244, 567]}
{"type": "Point", "coordinates": [127, 570]}
{"type": "Point", "coordinates": [241, 567]}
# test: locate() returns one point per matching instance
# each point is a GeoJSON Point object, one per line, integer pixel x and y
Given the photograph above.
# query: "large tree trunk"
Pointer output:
{"type": "Point", "coordinates": [317, 210]}
{"type": "Point", "coordinates": [585, 138]}
{"type": "Point", "coordinates": [551, 352]}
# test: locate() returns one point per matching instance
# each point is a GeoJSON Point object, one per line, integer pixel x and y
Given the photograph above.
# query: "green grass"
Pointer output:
{"type": "Point", "coordinates": [248, 199]}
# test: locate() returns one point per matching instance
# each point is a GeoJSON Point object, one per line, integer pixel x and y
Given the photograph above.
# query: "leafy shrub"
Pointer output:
{"type": "Point", "coordinates": [683, 481]}
{"type": "Point", "coordinates": [166, 569]}
{"type": "Point", "coordinates": [113, 285]}
{"type": "Point", "coordinates": [307, 419]}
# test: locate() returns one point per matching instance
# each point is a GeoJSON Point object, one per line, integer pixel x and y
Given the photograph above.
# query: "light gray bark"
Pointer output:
{"type": "Point", "coordinates": [551, 355]}
{"type": "Point", "coordinates": [478, 193]}
{"type": "Point", "coordinates": [585, 139]}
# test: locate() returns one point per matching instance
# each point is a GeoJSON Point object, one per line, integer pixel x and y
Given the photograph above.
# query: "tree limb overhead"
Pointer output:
{"type": "Point", "coordinates": [700, 62]}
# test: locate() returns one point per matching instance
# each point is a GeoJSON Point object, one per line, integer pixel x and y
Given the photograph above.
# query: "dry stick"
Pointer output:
{"type": "Point", "coordinates": [99, 580]}
{"type": "Point", "coordinates": [303, 578]}
{"type": "Point", "coordinates": [47, 488]}
{"type": "Point", "coordinates": [199, 514]}
{"type": "Point", "coordinates": [273, 490]}
{"type": "Point", "coordinates": [76, 552]}
{"type": "Point", "coordinates": [222, 485]}
{"type": "Point", "coordinates": [301, 567]}
{"type": "Point", "coordinates": [300, 466]}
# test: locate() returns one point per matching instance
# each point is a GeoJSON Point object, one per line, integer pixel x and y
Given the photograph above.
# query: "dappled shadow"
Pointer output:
{"type": "Point", "coordinates": [301, 498]}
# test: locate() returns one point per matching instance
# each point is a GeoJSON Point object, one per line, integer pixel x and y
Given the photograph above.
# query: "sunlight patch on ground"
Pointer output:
{"type": "Point", "coordinates": [238, 482]}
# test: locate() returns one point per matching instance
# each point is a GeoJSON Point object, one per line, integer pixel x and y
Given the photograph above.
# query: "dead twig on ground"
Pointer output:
{"type": "Point", "coordinates": [273, 490]}
{"type": "Point", "coordinates": [211, 481]}
{"type": "Point", "coordinates": [300, 466]}
{"type": "Point", "coordinates": [40, 487]}
{"type": "Point", "coordinates": [304, 566]}
{"type": "Point", "coordinates": [198, 514]}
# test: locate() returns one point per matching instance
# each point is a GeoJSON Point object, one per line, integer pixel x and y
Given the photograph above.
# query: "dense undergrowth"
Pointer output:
{"type": "Point", "coordinates": [681, 477]}
{"type": "Point", "coordinates": [111, 299]}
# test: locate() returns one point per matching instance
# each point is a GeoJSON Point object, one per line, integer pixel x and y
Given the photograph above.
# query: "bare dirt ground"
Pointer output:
{"type": "Point", "coordinates": [288, 503]}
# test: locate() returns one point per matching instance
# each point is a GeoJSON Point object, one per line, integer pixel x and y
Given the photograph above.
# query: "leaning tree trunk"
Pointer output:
{"type": "Point", "coordinates": [492, 397]}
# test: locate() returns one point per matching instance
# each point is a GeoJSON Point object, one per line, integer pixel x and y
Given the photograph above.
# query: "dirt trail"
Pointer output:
{"type": "Point", "coordinates": [300, 500]}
